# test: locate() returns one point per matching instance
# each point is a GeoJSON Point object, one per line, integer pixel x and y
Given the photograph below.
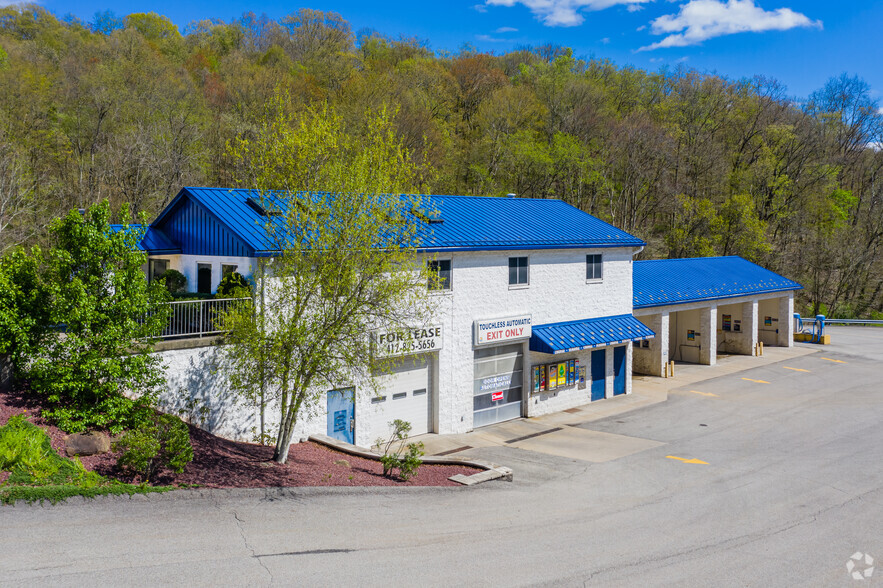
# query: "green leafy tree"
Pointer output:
{"type": "Point", "coordinates": [91, 312]}
{"type": "Point", "coordinates": [344, 265]}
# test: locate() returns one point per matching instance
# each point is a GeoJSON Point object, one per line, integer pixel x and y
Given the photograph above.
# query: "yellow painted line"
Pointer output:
{"type": "Point", "coordinates": [685, 460]}
{"type": "Point", "coordinates": [834, 360]}
{"type": "Point", "coordinates": [756, 381]}
{"type": "Point", "coordinates": [795, 369]}
{"type": "Point", "coordinates": [704, 393]}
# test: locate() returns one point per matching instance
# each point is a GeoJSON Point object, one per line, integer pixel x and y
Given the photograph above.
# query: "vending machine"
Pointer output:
{"type": "Point", "coordinates": [553, 376]}
{"type": "Point", "coordinates": [562, 374]}
{"type": "Point", "coordinates": [537, 379]}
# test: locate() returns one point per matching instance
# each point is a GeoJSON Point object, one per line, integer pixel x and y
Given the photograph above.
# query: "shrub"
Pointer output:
{"type": "Point", "coordinates": [163, 443]}
{"type": "Point", "coordinates": [405, 462]}
{"type": "Point", "coordinates": [234, 284]}
{"type": "Point", "coordinates": [175, 281]}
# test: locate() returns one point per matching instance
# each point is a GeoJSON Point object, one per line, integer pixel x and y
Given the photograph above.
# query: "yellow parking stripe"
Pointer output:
{"type": "Point", "coordinates": [756, 381]}
{"type": "Point", "coordinates": [795, 369]}
{"type": "Point", "coordinates": [685, 460]}
{"type": "Point", "coordinates": [834, 360]}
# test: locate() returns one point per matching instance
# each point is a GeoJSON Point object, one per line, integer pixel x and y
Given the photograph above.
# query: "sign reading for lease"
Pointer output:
{"type": "Point", "coordinates": [501, 330]}
{"type": "Point", "coordinates": [407, 341]}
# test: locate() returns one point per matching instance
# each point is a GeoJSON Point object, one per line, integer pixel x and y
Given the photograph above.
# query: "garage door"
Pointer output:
{"type": "Point", "coordinates": [403, 394]}
{"type": "Point", "coordinates": [497, 384]}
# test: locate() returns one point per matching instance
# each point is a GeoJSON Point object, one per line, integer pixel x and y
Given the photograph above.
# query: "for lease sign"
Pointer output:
{"type": "Point", "coordinates": [407, 341]}
{"type": "Point", "coordinates": [501, 330]}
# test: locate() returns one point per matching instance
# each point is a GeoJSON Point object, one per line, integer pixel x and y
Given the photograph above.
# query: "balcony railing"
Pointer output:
{"type": "Point", "coordinates": [197, 318]}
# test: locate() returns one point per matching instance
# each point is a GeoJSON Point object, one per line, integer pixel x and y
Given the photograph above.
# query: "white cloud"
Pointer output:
{"type": "Point", "coordinates": [489, 39]}
{"type": "Point", "coordinates": [506, 30]}
{"type": "Point", "coordinates": [699, 20]}
{"type": "Point", "coordinates": [480, 8]}
{"type": "Point", "coordinates": [564, 13]}
{"type": "Point", "coordinates": [605, 40]}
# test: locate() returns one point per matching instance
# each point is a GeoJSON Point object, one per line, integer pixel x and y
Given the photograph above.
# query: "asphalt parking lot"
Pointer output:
{"type": "Point", "coordinates": [768, 476]}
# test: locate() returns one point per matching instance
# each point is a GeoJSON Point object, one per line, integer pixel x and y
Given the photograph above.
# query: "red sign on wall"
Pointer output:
{"type": "Point", "coordinates": [496, 396]}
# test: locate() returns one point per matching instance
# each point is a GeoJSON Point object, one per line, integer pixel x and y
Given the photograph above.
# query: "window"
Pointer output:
{"type": "Point", "coordinates": [156, 268]}
{"type": "Point", "coordinates": [518, 271]}
{"type": "Point", "coordinates": [593, 268]}
{"type": "Point", "coordinates": [204, 278]}
{"type": "Point", "coordinates": [440, 274]}
{"type": "Point", "coordinates": [228, 269]}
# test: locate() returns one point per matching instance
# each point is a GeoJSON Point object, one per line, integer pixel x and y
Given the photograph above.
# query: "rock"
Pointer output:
{"type": "Point", "coordinates": [342, 462]}
{"type": "Point", "coordinates": [90, 443]}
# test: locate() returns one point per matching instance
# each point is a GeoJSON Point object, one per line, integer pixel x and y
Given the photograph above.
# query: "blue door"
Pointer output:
{"type": "Point", "coordinates": [342, 414]}
{"type": "Point", "coordinates": [618, 370]}
{"type": "Point", "coordinates": [599, 373]}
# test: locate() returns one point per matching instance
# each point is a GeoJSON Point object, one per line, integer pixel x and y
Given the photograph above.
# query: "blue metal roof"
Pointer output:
{"type": "Point", "coordinates": [661, 282]}
{"type": "Point", "coordinates": [490, 223]}
{"type": "Point", "coordinates": [153, 240]}
{"type": "Point", "coordinates": [456, 223]}
{"type": "Point", "coordinates": [585, 334]}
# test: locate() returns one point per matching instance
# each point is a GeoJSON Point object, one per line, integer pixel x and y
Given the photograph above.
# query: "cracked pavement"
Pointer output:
{"type": "Point", "coordinates": [793, 486]}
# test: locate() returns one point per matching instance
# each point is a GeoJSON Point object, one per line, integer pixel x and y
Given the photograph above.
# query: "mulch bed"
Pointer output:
{"type": "Point", "coordinates": [220, 463]}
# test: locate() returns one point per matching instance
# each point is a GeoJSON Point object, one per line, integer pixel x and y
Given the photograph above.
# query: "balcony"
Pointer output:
{"type": "Point", "coordinates": [193, 319]}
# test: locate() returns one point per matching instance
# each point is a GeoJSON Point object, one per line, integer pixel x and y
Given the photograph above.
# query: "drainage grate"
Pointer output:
{"type": "Point", "coordinates": [532, 435]}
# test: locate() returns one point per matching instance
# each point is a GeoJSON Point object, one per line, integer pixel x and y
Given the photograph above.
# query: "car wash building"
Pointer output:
{"type": "Point", "coordinates": [534, 313]}
{"type": "Point", "coordinates": [703, 307]}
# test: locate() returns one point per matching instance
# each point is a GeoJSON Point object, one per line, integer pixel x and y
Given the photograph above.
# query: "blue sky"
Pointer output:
{"type": "Point", "coordinates": [801, 43]}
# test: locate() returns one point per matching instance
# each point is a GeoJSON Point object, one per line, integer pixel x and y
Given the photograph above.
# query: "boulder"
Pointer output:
{"type": "Point", "coordinates": [90, 443]}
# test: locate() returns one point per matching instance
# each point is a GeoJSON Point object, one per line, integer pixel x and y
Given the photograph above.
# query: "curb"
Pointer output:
{"type": "Point", "coordinates": [491, 471]}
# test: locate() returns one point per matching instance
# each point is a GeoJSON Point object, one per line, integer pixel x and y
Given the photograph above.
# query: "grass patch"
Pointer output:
{"type": "Point", "coordinates": [38, 473]}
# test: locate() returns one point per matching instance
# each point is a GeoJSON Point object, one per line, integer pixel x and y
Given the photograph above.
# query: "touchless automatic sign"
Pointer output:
{"type": "Point", "coordinates": [502, 330]}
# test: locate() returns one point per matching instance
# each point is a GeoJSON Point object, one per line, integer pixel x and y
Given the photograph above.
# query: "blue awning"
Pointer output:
{"type": "Point", "coordinates": [585, 334]}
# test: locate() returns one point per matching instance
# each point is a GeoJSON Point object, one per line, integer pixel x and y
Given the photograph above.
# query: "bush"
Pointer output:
{"type": "Point", "coordinates": [163, 443]}
{"type": "Point", "coordinates": [406, 463]}
{"type": "Point", "coordinates": [175, 281]}
{"type": "Point", "coordinates": [235, 285]}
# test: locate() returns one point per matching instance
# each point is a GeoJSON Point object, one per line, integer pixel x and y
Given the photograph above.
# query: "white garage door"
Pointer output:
{"type": "Point", "coordinates": [403, 394]}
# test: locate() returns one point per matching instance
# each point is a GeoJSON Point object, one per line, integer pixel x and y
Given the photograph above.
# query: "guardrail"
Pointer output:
{"type": "Point", "coordinates": [833, 321]}
{"type": "Point", "coordinates": [197, 318]}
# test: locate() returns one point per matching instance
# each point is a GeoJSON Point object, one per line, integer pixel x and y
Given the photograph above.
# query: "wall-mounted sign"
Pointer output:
{"type": "Point", "coordinates": [496, 396]}
{"type": "Point", "coordinates": [691, 335]}
{"type": "Point", "coordinates": [768, 321]}
{"type": "Point", "coordinates": [501, 330]}
{"type": "Point", "coordinates": [727, 322]}
{"type": "Point", "coordinates": [737, 326]}
{"type": "Point", "coordinates": [407, 341]}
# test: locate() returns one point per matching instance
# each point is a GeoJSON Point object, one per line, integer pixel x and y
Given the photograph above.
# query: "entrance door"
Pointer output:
{"type": "Point", "coordinates": [497, 384]}
{"type": "Point", "coordinates": [204, 278]}
{"type": "Point", "coordinates": [342, 414]}
{"type": "Point", "coordinates": [599, 374]}
{"type": "Point", "coordinates": [618, 371]}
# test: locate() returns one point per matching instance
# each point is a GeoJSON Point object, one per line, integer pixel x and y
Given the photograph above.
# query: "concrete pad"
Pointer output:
{"type": "Point", "coordinates": [582, 444]}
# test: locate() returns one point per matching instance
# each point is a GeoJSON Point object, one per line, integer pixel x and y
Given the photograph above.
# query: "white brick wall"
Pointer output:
{"type": "Point", "coordinates": [480, 290]}
{"type": "Point", "coordinates": [557, 292]}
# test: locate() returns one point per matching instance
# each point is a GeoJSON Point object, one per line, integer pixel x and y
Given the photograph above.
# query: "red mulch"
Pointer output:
{"type": "Point", "coordinates": [220, 463]}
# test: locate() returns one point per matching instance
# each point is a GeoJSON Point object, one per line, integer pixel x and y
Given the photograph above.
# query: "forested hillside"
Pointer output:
{"type": "Point", "coordinates": [132, 108]}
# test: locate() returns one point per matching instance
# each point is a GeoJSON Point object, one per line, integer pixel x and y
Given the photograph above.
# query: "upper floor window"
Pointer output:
{"type": "Point", "coordinates": [518, 271]}
{"type": "Point", "coordinates": [439, 274]}
{"type": "Point", "coordinates": [204, 278]}
{"type": "Point", "coordinates": [156, 268]}
{"type": "Point", "coordinates": [593, 268]}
